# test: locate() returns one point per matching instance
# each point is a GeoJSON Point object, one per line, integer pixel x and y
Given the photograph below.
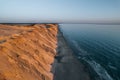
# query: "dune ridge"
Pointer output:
{"type": "Point", "coordinates": [38, 52]}
{"type": "Point", "coordinates": [26, 51]}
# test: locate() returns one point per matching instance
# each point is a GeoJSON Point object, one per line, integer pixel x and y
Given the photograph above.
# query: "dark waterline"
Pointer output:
{"type": "Point", "coordinates": [99, 45]}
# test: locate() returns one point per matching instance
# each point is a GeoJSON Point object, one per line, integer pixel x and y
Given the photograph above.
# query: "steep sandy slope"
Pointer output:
{"type": "Point", "coordinates": [26, 52]}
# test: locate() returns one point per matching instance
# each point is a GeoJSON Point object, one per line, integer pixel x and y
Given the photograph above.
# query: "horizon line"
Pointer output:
{"type": "Point", "coordinates": [60, 23]}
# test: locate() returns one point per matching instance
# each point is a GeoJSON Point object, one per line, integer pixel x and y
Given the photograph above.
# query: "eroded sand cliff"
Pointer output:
{"type": "Point", "coordinates": [37, 52]}
{"type": "Point", "coordinates": [26, 51]}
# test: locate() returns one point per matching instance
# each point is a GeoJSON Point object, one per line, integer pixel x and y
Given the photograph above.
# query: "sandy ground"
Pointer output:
{"type": "Point", "coordinates": [26, 52]}
{"type": "Point", "coordinates": [69, 68]}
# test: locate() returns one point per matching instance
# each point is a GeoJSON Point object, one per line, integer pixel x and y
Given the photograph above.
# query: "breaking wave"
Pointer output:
{"type": "Point", "coordinates": [103, 75]}
{"type": "Point", "coordinates": [98, 54]}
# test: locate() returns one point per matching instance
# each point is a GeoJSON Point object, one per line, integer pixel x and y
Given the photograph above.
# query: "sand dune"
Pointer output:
{"type": "Point", "coordinates": [26, 52]}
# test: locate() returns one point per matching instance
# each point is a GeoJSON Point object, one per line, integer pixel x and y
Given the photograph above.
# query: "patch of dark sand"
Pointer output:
{"type": "Point", "coordinates": [67, 67]}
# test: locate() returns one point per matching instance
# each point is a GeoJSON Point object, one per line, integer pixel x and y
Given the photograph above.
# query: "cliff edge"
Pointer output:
{"type": "Point", "coordinates": [37, 52]}
{"type": "Point", "coordinates": [26, 51]}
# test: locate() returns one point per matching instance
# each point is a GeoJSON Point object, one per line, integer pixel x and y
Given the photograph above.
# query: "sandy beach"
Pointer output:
{"type": "Point", "coordinates": [68, 67]}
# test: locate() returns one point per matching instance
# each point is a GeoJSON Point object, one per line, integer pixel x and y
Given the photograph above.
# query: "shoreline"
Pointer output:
{"type": "Point", "coordinates": [90, 70]}
{"type": "Point", "coordinates": [69, 67]}
{"type": "Point", "coordinates": [93, 73]}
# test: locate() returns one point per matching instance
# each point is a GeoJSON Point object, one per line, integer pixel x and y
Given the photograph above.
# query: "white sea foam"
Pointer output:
{"type": "Point", "coordinates": [100, 70]}
{"type": "Point", "coordinates": [112, 67]}
{"type": "Point", "coordinates": [81, 51]}
{"type": "Point", "coordinates": [97, 67]}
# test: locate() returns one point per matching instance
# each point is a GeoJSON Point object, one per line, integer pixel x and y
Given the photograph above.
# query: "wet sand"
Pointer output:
{"type": "Point", "coordinates": [67, 67]}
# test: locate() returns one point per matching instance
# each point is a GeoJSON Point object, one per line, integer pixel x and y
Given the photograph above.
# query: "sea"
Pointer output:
{"type": "Point", "coordinates": [97, 45]}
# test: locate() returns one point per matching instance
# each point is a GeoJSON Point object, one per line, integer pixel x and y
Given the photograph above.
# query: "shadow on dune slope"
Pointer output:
{"type": "Point", "coordinates": [26, 51]}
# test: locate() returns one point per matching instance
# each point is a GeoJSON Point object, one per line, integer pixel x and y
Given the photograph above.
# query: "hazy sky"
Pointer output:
{"type": "Point", "coordinates": [59, 10]}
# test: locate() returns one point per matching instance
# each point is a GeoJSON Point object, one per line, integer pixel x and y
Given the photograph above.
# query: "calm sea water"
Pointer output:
{"type": "Point", "coordinates": [98, 45]}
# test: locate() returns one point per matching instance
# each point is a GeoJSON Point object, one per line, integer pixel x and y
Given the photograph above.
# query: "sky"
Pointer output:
{"type": "Point", "coordinates": [37, 11]}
